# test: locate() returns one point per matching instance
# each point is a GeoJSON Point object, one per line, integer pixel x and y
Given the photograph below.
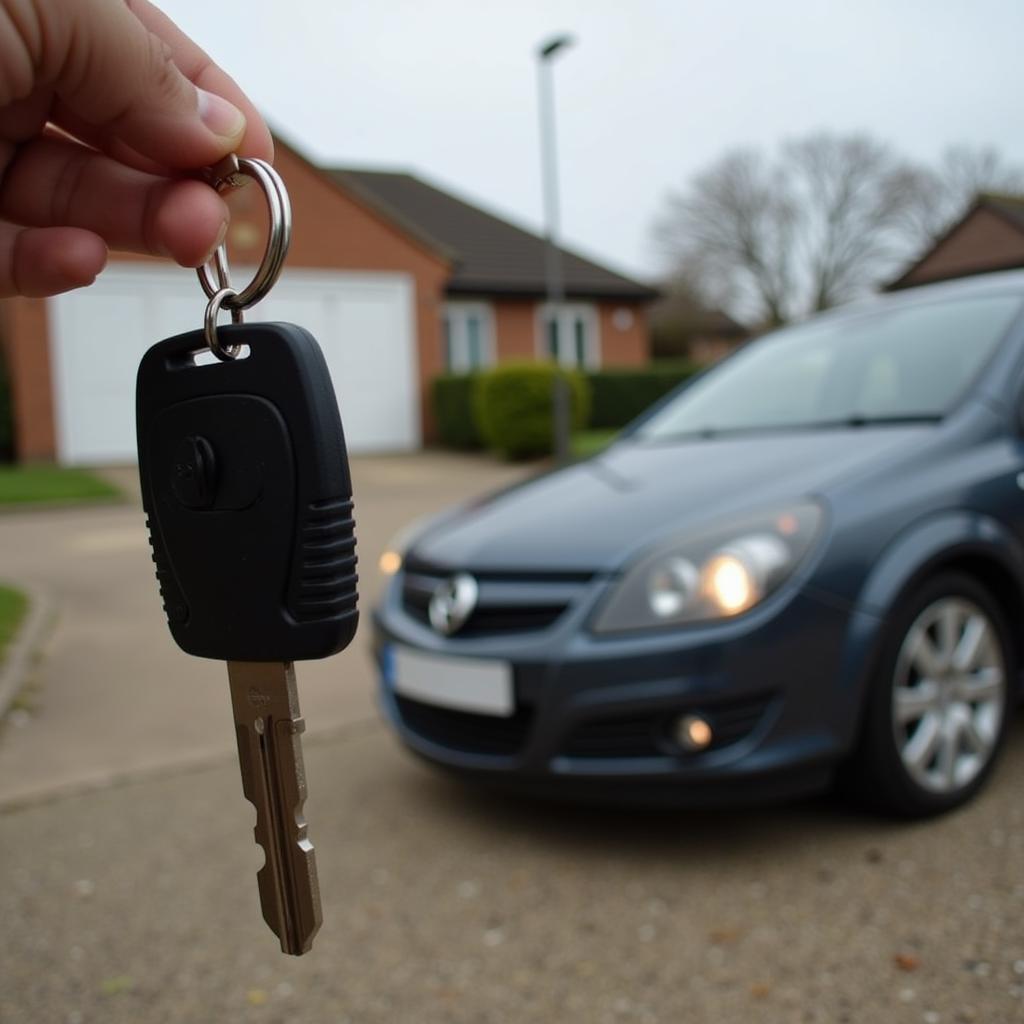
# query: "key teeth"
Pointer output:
{"type": "Point", "coordinates": [296, 936]}
{"type": "Point", "coordinates": [269, 728]}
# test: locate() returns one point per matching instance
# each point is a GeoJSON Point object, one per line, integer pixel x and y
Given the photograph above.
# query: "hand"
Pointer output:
{"type": "Point", "coordinates": [103, 103]}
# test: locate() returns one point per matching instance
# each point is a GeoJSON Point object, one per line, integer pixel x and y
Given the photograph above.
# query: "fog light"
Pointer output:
{"type": "Point", "coordinates": [693, 732]}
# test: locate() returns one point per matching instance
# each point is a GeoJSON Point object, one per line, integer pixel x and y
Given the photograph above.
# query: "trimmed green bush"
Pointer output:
{"type": "Point", "coordinates": [453, 412]}
{"type": "Point", "coordinates": [512, 404]}
{"type": "Point", "coordinates": [620, 395]}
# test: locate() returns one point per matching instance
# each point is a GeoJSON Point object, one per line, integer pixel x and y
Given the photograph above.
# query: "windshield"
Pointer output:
{"type": "Point", "coordinates": [898, 364]}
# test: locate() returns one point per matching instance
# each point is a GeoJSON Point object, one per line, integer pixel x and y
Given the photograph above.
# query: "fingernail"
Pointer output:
{"type": "Point", "coordinates": [220, 116]}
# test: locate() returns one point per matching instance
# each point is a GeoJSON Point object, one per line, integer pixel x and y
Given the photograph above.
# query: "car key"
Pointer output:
{"type": "Point", "coordinates": [248, 497]}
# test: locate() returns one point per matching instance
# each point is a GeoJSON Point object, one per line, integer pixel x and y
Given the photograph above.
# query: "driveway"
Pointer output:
{"type": "Point", "coordinates": [127, 868]}
{"type": "Point", "coordinates": [113, 695]}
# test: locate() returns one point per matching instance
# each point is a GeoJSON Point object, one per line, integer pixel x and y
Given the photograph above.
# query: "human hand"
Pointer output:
{"type": "Point", "coordinates": [103, 105]}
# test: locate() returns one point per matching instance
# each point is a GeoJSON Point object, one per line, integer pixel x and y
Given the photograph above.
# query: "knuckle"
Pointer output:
{"type": "Point", "coordinates": [161, 71]}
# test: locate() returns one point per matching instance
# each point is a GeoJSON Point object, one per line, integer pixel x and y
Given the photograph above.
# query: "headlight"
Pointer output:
{"type": "Point", "coordinates": [714, 575]}
{"type": "Point", "coordinates": [392, 558]}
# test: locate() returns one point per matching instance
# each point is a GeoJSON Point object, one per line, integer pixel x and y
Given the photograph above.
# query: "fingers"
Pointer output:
{"type": "Point", "coordinates": [47, 261]}
{"type": "Point", "coordinates": [197, 67]}
{"type": "Point", "coordinates": [55, 182]}
{"type": "Point", "coordinates": [121, 80]}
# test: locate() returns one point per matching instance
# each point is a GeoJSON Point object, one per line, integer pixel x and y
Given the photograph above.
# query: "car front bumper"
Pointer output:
{"type": "Point", "coordinates": [594, 714]}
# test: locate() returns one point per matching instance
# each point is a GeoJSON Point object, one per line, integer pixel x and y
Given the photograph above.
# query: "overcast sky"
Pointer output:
{"type": "Point", "coordinates": [651, 92]}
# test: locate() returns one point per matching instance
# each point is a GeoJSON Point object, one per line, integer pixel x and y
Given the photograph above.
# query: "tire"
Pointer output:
{"type": "Point", "coordinates": [938, 703]}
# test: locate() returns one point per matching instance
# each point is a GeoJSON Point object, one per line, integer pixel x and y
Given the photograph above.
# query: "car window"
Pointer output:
{"type": "Point", "coordinates": [901, 362]}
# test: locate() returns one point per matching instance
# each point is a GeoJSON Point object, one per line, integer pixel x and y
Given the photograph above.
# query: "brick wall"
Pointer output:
{"type": "Point", "coordinates": [623, 330]}
{"type": "Point", "coordinates": [625, 337]}
{"type": "Point", "coordinates": [27, 352]}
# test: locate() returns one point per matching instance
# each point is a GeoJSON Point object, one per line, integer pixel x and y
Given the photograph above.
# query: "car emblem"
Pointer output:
{"type": "Point", "coordinates": [453, 603]}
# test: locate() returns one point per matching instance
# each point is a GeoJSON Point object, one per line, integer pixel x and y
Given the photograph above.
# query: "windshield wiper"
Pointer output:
{"type": "Point", "coordinates": [860, 420]}
{"type": "Point", "coordinates": [856, 420]}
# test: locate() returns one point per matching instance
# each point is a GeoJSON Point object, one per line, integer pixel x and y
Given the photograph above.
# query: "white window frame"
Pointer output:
{"type": "Point", "coordinates": [568, 314]}
{"type": "Point", "coordinates": [456, 354]}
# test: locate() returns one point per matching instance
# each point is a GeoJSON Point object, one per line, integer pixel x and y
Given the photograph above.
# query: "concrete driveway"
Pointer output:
{"type": "Point", "coordinates": [127, 868]}
{"type": "Point", "coordinates": [113, 696]}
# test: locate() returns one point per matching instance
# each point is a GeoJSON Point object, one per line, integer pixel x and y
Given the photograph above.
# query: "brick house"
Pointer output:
{"type": "Point", "coordinates": [989, 236]}
{"type": "Point", "coordinates": [398, 280]}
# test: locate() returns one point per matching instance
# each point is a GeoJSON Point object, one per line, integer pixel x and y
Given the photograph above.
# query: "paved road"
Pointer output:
{"type": "Point", "coordinates": [135, 901]}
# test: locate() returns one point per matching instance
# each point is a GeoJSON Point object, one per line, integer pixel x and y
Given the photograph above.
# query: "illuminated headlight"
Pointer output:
{"type": "Point", "coordinates": [714, 575]}
{"type": "Point", "coordinates": [392, 558]}
{"type": "Point", "coordinates": [390, 561]}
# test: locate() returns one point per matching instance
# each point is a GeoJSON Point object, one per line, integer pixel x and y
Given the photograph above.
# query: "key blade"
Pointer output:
{"type": "Point", "coordinates": [268, 726]}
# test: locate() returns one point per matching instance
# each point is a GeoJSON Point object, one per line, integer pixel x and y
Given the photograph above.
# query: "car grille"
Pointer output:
{"type": "Point", "coordinates": [650, 735]}
{"type": "Point", "coordinates": [460, 730]}
{"type": "Point", "coordinates": [508, 602]}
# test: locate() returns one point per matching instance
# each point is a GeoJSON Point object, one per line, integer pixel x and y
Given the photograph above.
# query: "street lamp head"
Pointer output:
{"type": "Point", "coordinates": [547, 50]}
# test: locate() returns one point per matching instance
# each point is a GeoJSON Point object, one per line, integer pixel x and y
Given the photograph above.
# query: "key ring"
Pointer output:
{"type": "Point", "coordinates": [219, 301]}
{"type": "Point", "coordinates": [224, 177]}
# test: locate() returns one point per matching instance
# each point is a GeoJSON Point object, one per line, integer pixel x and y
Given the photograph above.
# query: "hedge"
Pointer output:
{"type": "Point", "coordinates": [512, 404]}
{"type": "Point", "coordinates": [618, 396]}
{"type": "Point", "coordinates": [453, 412]}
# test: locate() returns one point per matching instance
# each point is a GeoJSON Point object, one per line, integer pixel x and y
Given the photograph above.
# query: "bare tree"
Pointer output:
{"type": "Point", "coordinates": [849, 195]}
{"type": "Point", "coordinates": [734, 231]}
{"type": "Point", "coordinates": [826, 220]}
{"type": "Point", "coordinates": [947, 190]}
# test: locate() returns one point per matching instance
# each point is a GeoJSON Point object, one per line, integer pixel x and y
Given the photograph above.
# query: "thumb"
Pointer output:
{"type": "Point", "coordinates": [117, 76]}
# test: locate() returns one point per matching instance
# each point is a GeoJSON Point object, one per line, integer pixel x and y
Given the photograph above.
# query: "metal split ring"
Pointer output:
{"type": "Point", "coordinates": [219, 301]}
{"type": "Point", "coordinates": [220, 291]}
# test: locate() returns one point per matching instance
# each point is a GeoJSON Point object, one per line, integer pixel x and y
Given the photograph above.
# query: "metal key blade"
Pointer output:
{"type": "Point", "coordinates": [268, 726]}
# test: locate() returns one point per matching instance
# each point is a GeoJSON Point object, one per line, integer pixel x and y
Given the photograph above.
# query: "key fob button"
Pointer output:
{"type": "Point", "coordinates": [194, 473]}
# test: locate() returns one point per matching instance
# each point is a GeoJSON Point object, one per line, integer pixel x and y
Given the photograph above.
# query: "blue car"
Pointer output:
{"type": "Point", "coordinates": [806, 564]}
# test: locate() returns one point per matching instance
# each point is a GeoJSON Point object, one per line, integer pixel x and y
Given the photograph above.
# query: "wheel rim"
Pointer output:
{"type": "Point", "coordinates": [949, 695]}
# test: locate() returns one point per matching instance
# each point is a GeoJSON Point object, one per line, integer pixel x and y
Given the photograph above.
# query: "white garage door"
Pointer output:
{"type": "Point", "coordinates": [364, 323]}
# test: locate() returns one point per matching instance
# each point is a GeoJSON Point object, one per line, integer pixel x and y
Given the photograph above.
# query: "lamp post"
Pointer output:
{"type": "Point", "coordinates": [554, 281]}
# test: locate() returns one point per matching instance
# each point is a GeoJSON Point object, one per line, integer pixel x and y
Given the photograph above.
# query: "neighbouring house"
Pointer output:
{"type": "Point", "coordinates": [701, 335]}
{"type": "Point", "coordinates": [716, 336]}
{"type": "Point", "coordinates": [399, 281]}
{"type": "Point", "coordinates": [989, 236]}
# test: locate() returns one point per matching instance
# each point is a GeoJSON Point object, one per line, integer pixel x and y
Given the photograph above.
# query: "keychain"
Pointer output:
{"type": "Point", "coordinates": [248, 496]}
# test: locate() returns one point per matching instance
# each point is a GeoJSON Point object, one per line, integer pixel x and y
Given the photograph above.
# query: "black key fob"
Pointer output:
{"type": "Point", "coordinates": [246, 486]}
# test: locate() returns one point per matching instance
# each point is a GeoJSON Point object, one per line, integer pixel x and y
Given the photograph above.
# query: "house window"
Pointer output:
{"type": "Point", "coordinates": [468, 336]}
{"type": "Point", "coordinates": [572, 337]}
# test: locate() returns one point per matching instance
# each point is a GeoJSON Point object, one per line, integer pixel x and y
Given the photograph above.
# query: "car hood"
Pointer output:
{"type": "Point", "coordinates": [592, 516]}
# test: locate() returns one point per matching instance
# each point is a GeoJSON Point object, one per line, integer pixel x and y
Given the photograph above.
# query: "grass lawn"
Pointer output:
{"type": "Point", "coordinates": [13, 605]}
{"type": "Point", "coordinates": [589, 442]}
{"type": "Point", "coordinates": [19, 484]}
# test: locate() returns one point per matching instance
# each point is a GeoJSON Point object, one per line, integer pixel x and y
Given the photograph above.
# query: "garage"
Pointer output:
{"type": "Point", "coordinates": [363, 321]}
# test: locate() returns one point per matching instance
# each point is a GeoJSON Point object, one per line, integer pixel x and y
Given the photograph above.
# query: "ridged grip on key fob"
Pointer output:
{"type": "Point", "coordinates": [246, 485]}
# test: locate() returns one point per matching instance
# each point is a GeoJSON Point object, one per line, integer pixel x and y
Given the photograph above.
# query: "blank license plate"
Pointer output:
{"type": "Point", "coordinates": [465, 684]}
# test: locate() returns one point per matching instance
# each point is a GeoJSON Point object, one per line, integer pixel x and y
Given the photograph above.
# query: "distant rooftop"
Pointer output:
{"type": "Point", "coordinates": [948, 257]}
{"type": "Point", "coordinates": [490, 255]}
{"type": "Point", "coordinates": [1011, 207]}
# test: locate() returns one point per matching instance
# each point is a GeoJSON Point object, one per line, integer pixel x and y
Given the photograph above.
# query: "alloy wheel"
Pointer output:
{"type": "Point", "coordinates": [949, 695]}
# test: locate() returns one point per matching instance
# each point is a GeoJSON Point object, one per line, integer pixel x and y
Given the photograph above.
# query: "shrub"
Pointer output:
{"type": "Point", "coordinates": [620, 395]}
{"type": "Point", "coordinates": [513, 402]}
{"type": "Point", "coordinates": [453, 412]}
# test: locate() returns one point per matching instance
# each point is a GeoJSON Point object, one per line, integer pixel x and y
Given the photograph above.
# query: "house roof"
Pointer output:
{"type": "Point", "coordinates": [489, 254]}
{"type": "Point", "coordinates": [1009, 208]}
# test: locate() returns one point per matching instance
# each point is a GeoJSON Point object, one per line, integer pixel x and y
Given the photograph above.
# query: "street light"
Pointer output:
{"type": "Point", "coordinates": [555, 284]}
